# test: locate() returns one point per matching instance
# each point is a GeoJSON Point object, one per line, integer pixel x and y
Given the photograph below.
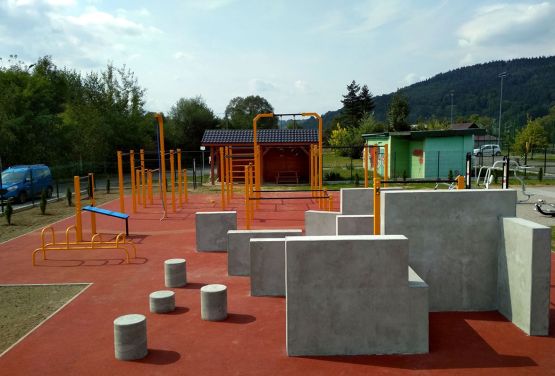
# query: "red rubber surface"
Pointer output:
{"type": "Point", "coordinates": [79, 339]}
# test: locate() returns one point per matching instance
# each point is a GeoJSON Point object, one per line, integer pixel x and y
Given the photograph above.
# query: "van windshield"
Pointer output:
{"type": "Point", "coordinates": [10, 177]}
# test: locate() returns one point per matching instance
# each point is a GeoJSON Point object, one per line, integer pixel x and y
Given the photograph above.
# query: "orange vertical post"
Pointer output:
{"type": "Point", "coordinates": [149, 183]}
{"type": "Point", "coordinates": [179, 180]}
{"type": "Point", "coordinates": [172, 178]}
{"type": "Point", "coordinates": [143, 177]}
{"type": "Point", "coordinates": [133, 197]}
{"type": "Point", "coordinates": [120, 183]}
{"type": "Point", "coordinates": [163, 160]}
{"type": "Point", "coordinates": [222, 177]}
{"type": "Point", "coordinates": [78, 220]}
{"type": "Point", "coordinates": [93, 203]}
{"type": "Point", "coordinates": [247, 226]}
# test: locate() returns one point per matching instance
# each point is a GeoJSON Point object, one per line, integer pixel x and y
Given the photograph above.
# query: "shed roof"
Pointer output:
{"type": "Point", "coordinates": [463, 126]}
{"type": "Point", "coordinates": [265, 136]}
{"type": "Point", "coordinates": [426, 134]}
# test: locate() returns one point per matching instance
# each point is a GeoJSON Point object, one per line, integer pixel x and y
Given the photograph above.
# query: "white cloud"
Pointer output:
{"type": "Point", "coordinates": [378, 14]}
{"type": "Point", "coordinates": [260, 86]}
{"type": "Point", "coordinates": [300, 85]}
{"type": "Point", "coordinates": [506, 24]}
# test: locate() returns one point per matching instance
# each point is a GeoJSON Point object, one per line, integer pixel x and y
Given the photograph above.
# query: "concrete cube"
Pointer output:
{"type": "Point", "coordinates": [238, 247]}
{"type": "Point", "coordinates": [524, 272]}
{"type": "Point", "coordinates": [355, 225]}
{"type": "Point", "coordinates": [320, 222]}
{"type": "Point", "coordinates": [212, 228]}
{"type": "Point", "coordinates": [357, 201]}
{"type": "Point", "coordinates": [353, 295]}
{"type": "Point", "coordinates": [267, 267]}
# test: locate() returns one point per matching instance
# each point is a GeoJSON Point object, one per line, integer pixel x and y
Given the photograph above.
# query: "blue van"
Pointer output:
{"type": "Point", "coordinates": [25, 181]}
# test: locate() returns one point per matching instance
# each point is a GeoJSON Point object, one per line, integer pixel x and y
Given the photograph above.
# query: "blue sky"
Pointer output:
{"type": "Point", "coordinates": [299, 55]}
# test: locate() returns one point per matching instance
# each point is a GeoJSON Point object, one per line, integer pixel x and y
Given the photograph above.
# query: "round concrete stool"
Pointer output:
{"type": "Point", "coordinates": [213, 302]}
{"type": "Point", "coordinates": [130, 337]}
{"type": "Point", "coordinates": [175, 272]}
{"type": "Point", "coordinates": [162, 301]}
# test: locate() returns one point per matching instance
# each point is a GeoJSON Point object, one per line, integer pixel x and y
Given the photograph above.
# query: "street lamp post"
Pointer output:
{"type": "Point", "coordinates": [502, 76]}
{"type": "Point", "coordinates": [452, 93]}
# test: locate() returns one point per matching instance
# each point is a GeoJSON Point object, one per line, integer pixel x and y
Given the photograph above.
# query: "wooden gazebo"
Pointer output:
{"type": "Point", "coordinates": [285, 152]}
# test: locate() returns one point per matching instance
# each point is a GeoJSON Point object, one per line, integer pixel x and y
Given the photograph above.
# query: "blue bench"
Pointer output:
{"type": "Point", "coordinates": [94, 209]}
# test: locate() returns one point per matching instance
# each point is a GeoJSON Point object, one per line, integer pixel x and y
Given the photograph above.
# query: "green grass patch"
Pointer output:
{"type": "Point", "coordinates": [23, 307]}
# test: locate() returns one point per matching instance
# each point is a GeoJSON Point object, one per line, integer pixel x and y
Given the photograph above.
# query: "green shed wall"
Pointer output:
{"type": "Point", "coordinates": [399, 157]}
{"type": "Point", "coordinates": [446, 153]}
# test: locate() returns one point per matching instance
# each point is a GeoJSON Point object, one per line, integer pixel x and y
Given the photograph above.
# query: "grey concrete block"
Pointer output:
{"type": "Point", "coordinates": [175, 272]}
{"type": "Point", "coordinates": [355, 225]}
{"type": "Point", "coordinates": [360, 201]}
{"type": "Point", "coordinates": [454, 237]}
{"type": "Point", "coordinates": [351, 295]}
{"type": "Point", "coordinates": [213, 302]}
{"type": "Point", "coordinates": [130, 342]}
{"type": "Point", "coordinates": [319, 222]}
{"type": "Point", "coordinates": [524, 275]}
{"type": "Point", "coordinates": [162, 301]}
{"type": "Point", "coordinates": [357, 201]}
{"type": "Point", "coordinates": [267, 267]}
{"type": "Point", "coordinates": [238, 248]}
{"type": "Point", "coordinates": [212, 228]}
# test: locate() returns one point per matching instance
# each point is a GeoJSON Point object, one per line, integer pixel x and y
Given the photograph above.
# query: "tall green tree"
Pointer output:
{"type": "Point", "coordinates": [398, 112]}
{"type": "Point", "coordinates": [366, 101]}
{"type": "Point", "coordinates": [351, 112]}
{"type": "Point", "coordinates": [240, 112]}
{"type": "Point", "coordinates": [188, 119]}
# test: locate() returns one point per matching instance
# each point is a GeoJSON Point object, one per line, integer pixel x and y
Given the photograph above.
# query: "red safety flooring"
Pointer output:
{"type": "Point", "coordinates": [79, 339]}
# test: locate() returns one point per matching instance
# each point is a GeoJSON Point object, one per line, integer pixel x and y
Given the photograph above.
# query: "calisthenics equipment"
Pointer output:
{"type": "Point", "coordinates": [96, 242]}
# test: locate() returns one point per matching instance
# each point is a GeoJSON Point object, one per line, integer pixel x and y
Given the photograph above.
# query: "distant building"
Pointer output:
{"type": "Point", "coordinates": [426, 154]}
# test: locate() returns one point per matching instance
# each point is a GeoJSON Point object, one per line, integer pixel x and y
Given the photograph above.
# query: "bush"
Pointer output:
{"type": "Point", "coordinates": [108, 186]}
{"type": "Point", "coordinates": [68, 196]}
{"type": "Point", "coordinates": [332, 176]}
{"type": "Point", "coordinates": [540, 174]}
{"type": "Point", "coordinates": [9, 212]}
{"type": "Point", "coordinates": [43, 202]}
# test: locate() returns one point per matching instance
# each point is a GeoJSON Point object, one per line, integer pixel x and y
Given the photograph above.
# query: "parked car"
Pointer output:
{"type": "Point", "coordinates": [24, 181]}
{"type": "Point", "coordinates": [487, 150]}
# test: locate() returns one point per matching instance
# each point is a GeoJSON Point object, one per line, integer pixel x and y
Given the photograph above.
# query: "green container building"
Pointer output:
{"type": "Point", "coordinates": [425, 154]}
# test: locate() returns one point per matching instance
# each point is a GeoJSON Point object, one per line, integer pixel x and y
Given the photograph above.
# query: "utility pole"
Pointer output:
{"type": "Point", "coordinates": [452, 93]}
{"type": "Point", "coordinates": [502, 76]}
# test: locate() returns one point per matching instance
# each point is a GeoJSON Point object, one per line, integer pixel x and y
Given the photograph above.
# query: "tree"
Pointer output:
{"type": "Point", "coordinates": [188, 119]}
{"type": "Point", "coordinates": [366, 101]}
{"type": "Point", "coordinates": [533, 134]}
{"type": "Point", "coordinates": [240, 112]}
{"type": "Point", "coordinates": [398, 112]}
{"type": "Point", "coordinates": [351, 112]}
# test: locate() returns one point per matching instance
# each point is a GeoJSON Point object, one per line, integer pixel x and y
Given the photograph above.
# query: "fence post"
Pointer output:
{"type": "Point", "coordinates": [544, 160]}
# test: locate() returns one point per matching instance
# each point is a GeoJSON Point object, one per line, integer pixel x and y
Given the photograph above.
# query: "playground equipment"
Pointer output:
{"type": "Point", "coordinates": [96, 242]}
{"type": "Point", "coordinates": [505, 166]}
{"type": "Point", "coordinates": [545, 208]}
{"type": "Point", "coordinates": [142, 178]}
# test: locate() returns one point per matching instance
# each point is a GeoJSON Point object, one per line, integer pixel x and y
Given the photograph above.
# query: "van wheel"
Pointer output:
{"type": "Point", "coordinates": [49, 192]}
{"type": "Point", "coordinates": [22, 197]}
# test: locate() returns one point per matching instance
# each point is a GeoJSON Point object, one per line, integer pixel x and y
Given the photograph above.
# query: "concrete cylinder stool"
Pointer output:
{"type": "Point", "coordinates": [130, 337]}
{"type": "Point", "coordinates": [162, 301]}
{"type": "Point", "coordinates": [175, 272]}
{"type": "Point", "coordinates": [213, 302]}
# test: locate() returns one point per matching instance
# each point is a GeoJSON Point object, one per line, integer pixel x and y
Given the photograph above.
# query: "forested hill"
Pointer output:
{"type": "Point", "coordinates": [528, 89]}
